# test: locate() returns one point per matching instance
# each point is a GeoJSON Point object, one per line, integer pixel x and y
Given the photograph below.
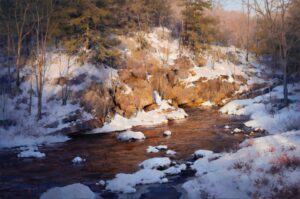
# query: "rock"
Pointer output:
{"type": "Point", "coordinates": [73, 117]}
{"type": "Point", "coordinates": [151, 107]}
{"type": "Point", "coordinates": [97, 100]}
{"type": "Point", "coordinates": [52, 125]}
{"type": "Point", "coordinates": [81, 128]}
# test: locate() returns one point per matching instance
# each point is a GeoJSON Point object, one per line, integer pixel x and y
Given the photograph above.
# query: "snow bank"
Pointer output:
{"type": "Point", "coordinates": [155, 163]}
{"type": "Point", "coordinates": [131, 135]}
{"type": "Point", "coordinates": [125, 183]}
{"type": "Point", "coordinates": [69, 192]}
{"type": "Point", "coordinates": [260, 167]}
{"type": "Point", "coordinates": [264, 115]}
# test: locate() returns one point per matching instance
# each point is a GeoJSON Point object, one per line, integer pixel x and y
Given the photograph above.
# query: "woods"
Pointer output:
{"type": "Point", "coordinates": [90, 29]}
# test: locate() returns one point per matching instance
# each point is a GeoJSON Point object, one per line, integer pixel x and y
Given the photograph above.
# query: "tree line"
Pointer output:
{"type": "Point", "coordinates": [88, 29]}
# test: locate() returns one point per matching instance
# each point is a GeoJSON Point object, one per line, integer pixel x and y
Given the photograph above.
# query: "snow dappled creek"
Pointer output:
{"type": "Point", "coordinates": [106, 156]}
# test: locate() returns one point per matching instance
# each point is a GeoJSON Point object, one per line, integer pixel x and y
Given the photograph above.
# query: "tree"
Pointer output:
{"type": "Point", "coordinates": [293, 37]}
{"type": "Point", "coordinates": [274, 15]}
{"type": "Point", "coordinates": [198, 29]}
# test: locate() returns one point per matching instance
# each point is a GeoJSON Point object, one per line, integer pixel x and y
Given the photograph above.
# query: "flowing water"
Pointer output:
{"type": "Point", "coordinates": [107, 156]}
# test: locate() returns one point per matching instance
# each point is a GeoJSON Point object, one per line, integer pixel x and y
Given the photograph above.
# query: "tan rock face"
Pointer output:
{"type": "Point", "coordinates": [141, 94]}
{"type": "Point", "coordinates": [97, 100]}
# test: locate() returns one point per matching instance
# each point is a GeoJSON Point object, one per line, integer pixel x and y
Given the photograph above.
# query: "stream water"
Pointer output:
{"type": "Point", "coordinates": [107, 156]}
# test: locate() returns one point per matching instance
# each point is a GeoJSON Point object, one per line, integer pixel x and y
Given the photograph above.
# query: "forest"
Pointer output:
{"type": "Point", "coordinates": [149, 99]}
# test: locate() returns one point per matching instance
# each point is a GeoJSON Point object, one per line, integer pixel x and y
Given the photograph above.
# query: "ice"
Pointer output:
{"type": "Point", "coordinates": [69, 192]}
{"type": "Point", "coordinates": [154, 163]}
{"type": "Point", "coordinates": [131, 135]}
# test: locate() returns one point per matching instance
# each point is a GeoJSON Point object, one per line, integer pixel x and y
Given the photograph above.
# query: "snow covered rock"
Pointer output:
{"type": "Point", "coordinates": [125, 183]}
{"type": "Point", "coordinates": [72, 191]}
{"type": "Point", "coordinates": [174, 170]}
{"type": "Point", "coordinates": [156, 163]}
{"type": "Point", "coordinates": [202, 153]}
{"type": "Point", "coordinates": [31, 152]}
{"type": "Point", "coordinates": [237, 130]}
{"type": "Point", "coordinates": [152, 149]}
{"type": "Point", "coordinates": [131, 135]}
{"type": "Point", "coordinates": [167, 133]}
{"type": "Point", "coordinates": [78, 160]}
{"type": "Point", "coordinates": [101, 182]}
{"type": "Point", "coordinates": [208, 103]}
{"type": "Point", "coordinates": [162, 147]}
{"type": "Point", "coordinates": [171, 152]}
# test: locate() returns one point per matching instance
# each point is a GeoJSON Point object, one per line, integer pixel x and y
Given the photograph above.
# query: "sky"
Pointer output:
{"type": "Point", "coordinates": [232, 4]}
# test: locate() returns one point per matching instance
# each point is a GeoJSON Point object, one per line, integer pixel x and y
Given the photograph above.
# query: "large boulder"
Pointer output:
{"type": "Point", "coordinates": [97, 100]}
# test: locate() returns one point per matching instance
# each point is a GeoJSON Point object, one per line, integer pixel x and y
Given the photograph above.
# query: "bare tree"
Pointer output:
{"type": "Point", "coordinates": [274, 14]}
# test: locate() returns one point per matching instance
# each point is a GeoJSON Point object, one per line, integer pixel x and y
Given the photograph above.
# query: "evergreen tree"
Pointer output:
{"type": "Point", "coordinates": [198, 29]}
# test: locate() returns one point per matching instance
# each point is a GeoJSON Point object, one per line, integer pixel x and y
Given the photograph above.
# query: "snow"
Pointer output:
{"type": "Point", "coordinates": [131, 135]}
{"type": "Point", "coordinates": [203, 153]}
{"type": "Point", "coordinates": [174, 170]}
{"type": "Point", "coordinates": [162, 147]}
{"type": "Point", "coordinates": [31, 152]}
{"type": "Point", "coordinates": [167, 133]}
{"type": "Point", "coordinates": [69, 192]}
{"type": "Point", "coordinates": [101, 182]}
{"type": "Point", "coordinates": [152, 149]}
{"type": "Point", "coordinates": [262, 166]}
{"type": "Point", "coordinates": [237, 175]}
{"type": "Point", "coordinates": [264, 115]}
{"type": "Point", "coordinates": [227, 127]}
{"type": "Point", "coordinates": [156, 149]}
{"type": "Point", "coordinates": [171, 152]}
{"type": "Point", "coordinates": [237, 130]}
{"type": "Point", "coordinates": [125, 183]}
{"type": "Point", "coordinates": [78, 160]}
{"type": "Point", "coordinates": [207, 103]}
{"type": "Point", "coordinates": [155, 163]}
{"type": "Point", "coordinates": [161, 115]}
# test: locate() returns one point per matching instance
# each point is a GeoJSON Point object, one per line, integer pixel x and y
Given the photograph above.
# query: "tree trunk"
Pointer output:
{"type": "Point", "coordinates": [40, 89]}
{"type": "Point", "coordinates": [18, 62]}
{"type": "Point", "coordinates": [285, 88]}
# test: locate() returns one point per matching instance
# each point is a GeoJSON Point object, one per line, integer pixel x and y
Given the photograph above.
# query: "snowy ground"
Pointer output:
{"type": "Point", "coordinates": [266, 167]}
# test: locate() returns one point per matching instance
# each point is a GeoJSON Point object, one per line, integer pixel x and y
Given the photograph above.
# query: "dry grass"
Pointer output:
{"type": "Point", "coordinates": [284, 161]}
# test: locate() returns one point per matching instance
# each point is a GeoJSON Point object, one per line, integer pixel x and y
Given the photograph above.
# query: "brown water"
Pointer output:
{"type": "Point", "coordinates": [106, 156]}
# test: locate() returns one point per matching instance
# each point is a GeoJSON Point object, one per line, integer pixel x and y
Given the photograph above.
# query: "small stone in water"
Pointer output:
{"type": "Point", "coordinates": [101, 182]}
{"type": "Point", "coordinates": [78, 160]}
{"type": "Point", "coordinates": [167, 133]}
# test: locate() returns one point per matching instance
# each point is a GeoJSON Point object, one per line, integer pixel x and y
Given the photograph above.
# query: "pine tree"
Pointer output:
{"type": "Point", "coordinates": [198, 29]}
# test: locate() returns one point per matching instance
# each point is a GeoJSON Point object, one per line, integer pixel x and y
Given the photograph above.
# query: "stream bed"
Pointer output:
{"type": "Point", "coordinates": [106, 156]}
